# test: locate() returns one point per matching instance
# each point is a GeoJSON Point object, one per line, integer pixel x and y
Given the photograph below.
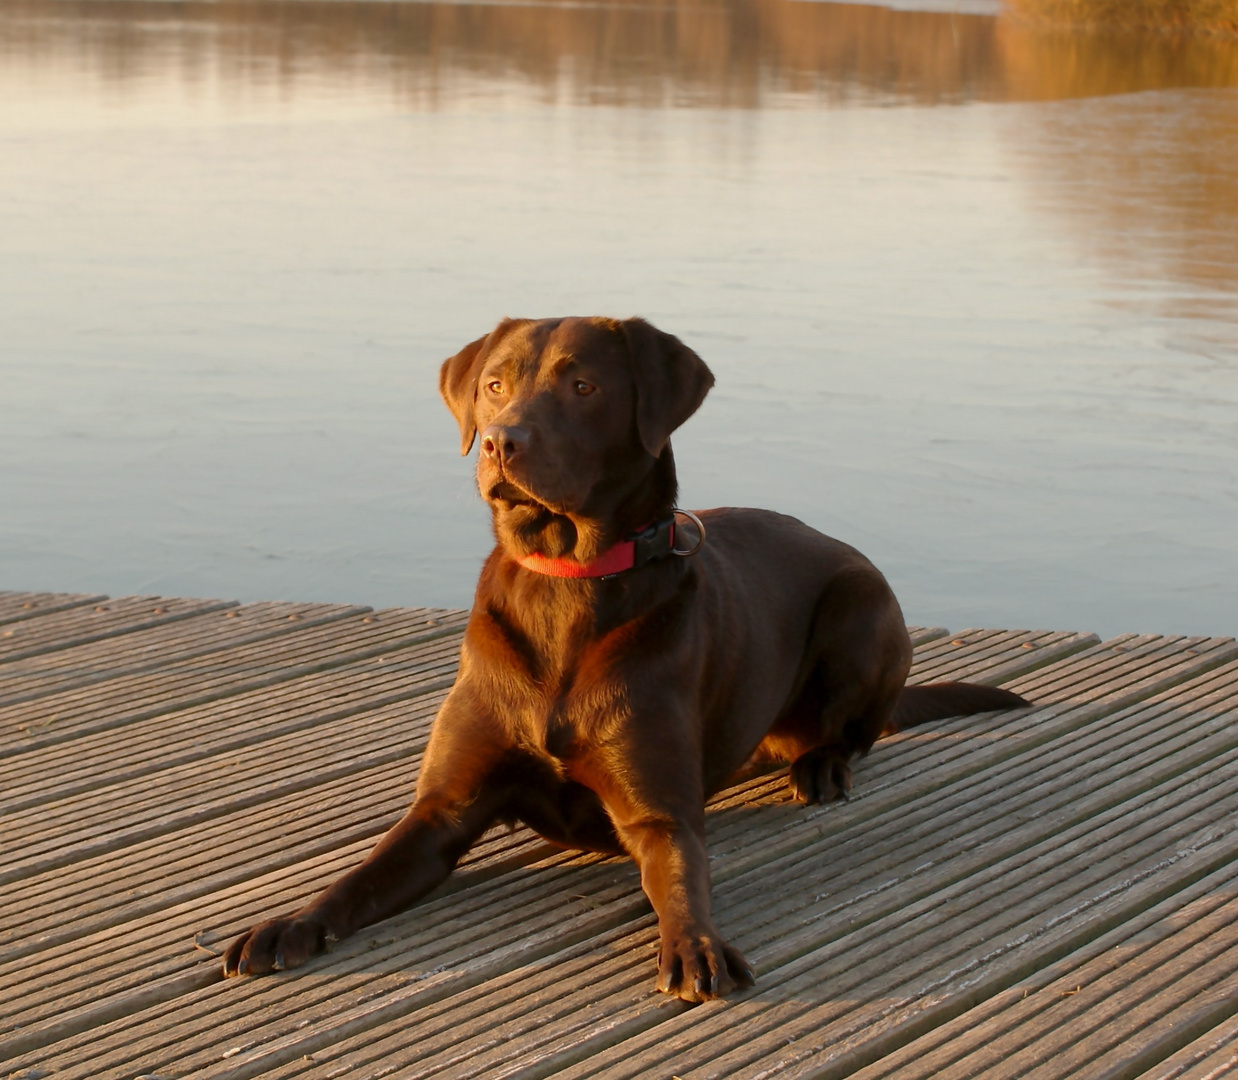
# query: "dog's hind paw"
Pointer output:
{"type": "Point", "coordinates": [821, 775]}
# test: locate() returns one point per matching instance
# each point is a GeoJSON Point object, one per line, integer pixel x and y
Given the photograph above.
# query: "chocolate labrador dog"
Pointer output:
{"type": "Point", "coordinates": [623, 660]}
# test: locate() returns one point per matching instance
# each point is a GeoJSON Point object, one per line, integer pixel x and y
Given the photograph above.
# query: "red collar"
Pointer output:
{"type": "Point", "coordinates": [655, 541]}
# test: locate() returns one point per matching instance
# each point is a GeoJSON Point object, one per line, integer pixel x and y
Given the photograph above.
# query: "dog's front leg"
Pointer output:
{"type": "Point", "coordinates": [458, 798]}
{"type": "Point", "coordinates": [694, 963]}
{"type": "Point", "coordinates": [659, 815]}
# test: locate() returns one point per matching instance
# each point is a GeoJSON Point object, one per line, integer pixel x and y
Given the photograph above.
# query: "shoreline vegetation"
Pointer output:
{"type": "Point", "coordinates": [1216, 17]}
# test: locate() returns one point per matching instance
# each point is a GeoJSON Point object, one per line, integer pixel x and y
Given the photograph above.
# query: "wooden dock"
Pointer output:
{"type": "Point", "coordinates": [1041, 893]}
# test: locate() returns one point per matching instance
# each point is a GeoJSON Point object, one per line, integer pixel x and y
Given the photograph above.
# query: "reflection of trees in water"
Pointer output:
{"type": "Point", "coordinates": [1149, 184]}
{"type": "Point", "coordinates": [706, 52]}
{"type": "Point", "coordinates": [1148, 180]}
{"type": "Point", "coordinates": [1152, 183]}
{"type": "Point", "coordinates": [1208, 16]}
{"type": "Point", "coordinates": [1047, 65]}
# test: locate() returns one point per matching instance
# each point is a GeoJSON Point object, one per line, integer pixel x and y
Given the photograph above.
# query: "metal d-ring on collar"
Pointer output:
{"type": "Point", "coordinates": [700, 532]}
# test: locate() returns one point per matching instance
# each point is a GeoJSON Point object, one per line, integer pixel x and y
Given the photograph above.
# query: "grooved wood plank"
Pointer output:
{"type": "Point", "coordinates": [152, 648]}
{"type": "Point", "coordinates": [1210, 1056]}
{"type": "Point", "coordinates": [107, 887]}
{"type": "Point", "coordinates": [19, 606]}
{"type": "Point", "coordinates": [81, 625]}
{"type": "Point", "coordinates": [75, 986]}
{"type": "Point", "coordinates": [205, 732]}
{"type": "Point", "coordinates": [51, 835]}
{"type": "Point", "coordinates": [69, 714]}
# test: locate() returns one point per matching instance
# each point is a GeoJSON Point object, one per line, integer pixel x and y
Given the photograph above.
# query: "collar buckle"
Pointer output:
{"type": "Point", "coordinates": [656, 542]}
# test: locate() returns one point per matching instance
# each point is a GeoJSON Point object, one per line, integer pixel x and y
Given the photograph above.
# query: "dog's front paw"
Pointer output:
{"type": "Point", "coordinates": [276, 946]}
{"type": "Point", "coordinates": [698, 967]}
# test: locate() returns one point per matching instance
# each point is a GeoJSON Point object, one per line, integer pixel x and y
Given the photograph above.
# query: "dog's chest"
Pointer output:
{"type": "Point", "coordinates": [572, 715]}
{"type": "Point", "coordinates": [560, 737]}
{"type": "Point", "coordinates": [564, 690]}
{"type": "Point", "coordinates": [577, 718]}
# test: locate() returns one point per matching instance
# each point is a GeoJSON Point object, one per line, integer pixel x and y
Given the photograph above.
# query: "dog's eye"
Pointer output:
{"type": "Point", "coordinates": [583, 388]}
{"type": "Point", "coordinates": [494, 386]}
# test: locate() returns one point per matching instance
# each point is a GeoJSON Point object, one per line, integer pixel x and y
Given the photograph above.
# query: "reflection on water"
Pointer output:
{"type": "Point", "coordinates": [1157, 195]}
{"type": "Point", "coordinates": [971, 288]}
{"type": "Point", "coordinates": [721, 53]}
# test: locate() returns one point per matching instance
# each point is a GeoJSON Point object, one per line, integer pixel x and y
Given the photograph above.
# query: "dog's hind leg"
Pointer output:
{"type": "Point", "coordinates": [856, 663]}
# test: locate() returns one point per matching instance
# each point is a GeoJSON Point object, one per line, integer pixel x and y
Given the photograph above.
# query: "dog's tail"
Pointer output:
{"type": "Point", "coordinates": [920, 704]}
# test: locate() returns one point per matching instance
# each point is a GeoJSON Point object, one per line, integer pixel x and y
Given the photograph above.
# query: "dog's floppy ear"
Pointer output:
{"type": "Point", "coordinates": [671, 382]}
{"type": "Point", "coordinates": [457, 382]}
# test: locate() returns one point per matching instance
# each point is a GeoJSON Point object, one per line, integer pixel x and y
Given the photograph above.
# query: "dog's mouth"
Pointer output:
{"type": "Point", "coordinates": [508, 496]}
{"type": "Point", "coordinates": [507, 492]}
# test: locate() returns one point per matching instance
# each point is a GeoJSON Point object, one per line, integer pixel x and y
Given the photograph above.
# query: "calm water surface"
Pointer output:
{"type": "Point", "coordinates": [970, 291]}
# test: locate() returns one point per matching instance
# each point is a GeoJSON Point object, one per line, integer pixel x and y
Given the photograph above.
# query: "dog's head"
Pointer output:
{"type": "Point", "coordinates": [574, 418]}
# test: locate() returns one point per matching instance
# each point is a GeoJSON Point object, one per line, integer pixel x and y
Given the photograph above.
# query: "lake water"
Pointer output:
{"type": "Point", "coordinates": [970, 290]}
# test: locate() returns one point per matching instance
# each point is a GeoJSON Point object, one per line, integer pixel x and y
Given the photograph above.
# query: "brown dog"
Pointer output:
{"type": "Point", "coordinates": [608, 685]}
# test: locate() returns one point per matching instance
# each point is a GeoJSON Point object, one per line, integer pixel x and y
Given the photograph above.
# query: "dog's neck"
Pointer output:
{"type": "Point", "coordinates": [608, 519]}
{"type": "Point", "coordinates": [547, 623]}
{"type": "Point", "coordinates": [655, 541]}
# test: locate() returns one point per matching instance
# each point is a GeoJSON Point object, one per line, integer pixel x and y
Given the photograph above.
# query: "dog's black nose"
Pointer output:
{"type": "Point", "coordinates": [504, 443]}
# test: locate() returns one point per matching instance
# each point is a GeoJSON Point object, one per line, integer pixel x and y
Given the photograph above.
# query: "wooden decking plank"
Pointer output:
{"type": "Point", "coordinates": [468, 946]}
{"type": "Point", "coordinates": [101, 890]}
{"type": "Point", "coordinates": [81, 625]}
{"type": "Point", "coordinates": [996, 657]}
{"type": "Point", "coordinates": [1210, 1056]}
{"type": "Point", "coordinates": [130, 698]}
{"type": "Point", "coordinates": [981, 1038]}
{"type": "Point", "coordinates": [20, 606]}
{"type": "Point", "coordinates": [76, 986]}
{"type": "Point", "coordinates": [1141, 659]}
{"type": "Point", "coordinates": [1143, 1015]}
{"type": "Point", "coordinates": [123, 969]}
{"type": "Point", "coordinates": [1104, 996]}
{"type": "Point", "coordinates": [44, 837]}
{"type": "Point", "coordinates": [544, 1015]}
{"type": "Point", "coordinates": [160, 743]}
{"type": "Point", "coordinates": [204, 646]}
{"type": "Point", "coordinates": [151, 649]}
{"type": "Point", "coordinates": [421, 678]}
{"type": "Point", "coordinates": [878, 975]}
